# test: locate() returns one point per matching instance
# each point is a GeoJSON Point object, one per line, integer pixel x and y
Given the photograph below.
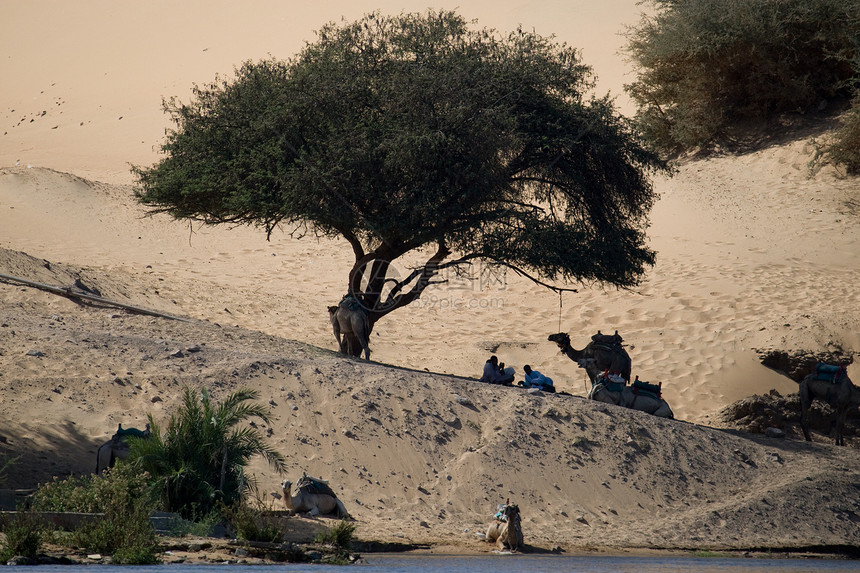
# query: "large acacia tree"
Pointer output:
{"type": "Point", "coordinates": [419, 134]}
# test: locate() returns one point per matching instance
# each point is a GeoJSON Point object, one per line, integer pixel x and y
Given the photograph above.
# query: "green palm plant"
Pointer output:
{"type": "Point", "coordinates": [198, 460]}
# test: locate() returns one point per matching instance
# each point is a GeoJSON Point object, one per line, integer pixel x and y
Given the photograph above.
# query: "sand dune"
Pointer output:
{"type": "Point", "coordinates": [753, 253]}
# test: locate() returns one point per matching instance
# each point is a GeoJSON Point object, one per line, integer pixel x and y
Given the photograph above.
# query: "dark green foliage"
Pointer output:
{"type": "Point", "coordinates": [197, 461]}
{"type": "Point", "coordinates": [24, 534]}
{"type": "Point", "coordinates": [125, 498]}
{"type": "Point", "coordinates": [5, 464]}
{"type": "Point", "coordinates": [340, 535]}
{"type": "Point", "coordinates": [417, 131]}
{"type": "Point", "coordinates": [845, 147]}
{"type": "Point", "coordinates": [253, 524]}
{"type": "Point", "coordinates": [707, 67]}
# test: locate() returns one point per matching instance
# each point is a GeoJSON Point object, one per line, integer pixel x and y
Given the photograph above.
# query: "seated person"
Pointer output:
{"type": "Point", "coordinates": [535, 379]}
{"type": "Point", "coordinates": [495, 375]}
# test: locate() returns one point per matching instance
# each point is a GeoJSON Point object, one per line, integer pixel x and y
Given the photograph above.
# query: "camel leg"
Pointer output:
{"type": "Point", "coordinates": [805, 402]}
{"type": "Point", "coordinates": [102, 464]}
{"type": "Point", "coordinates": [841, 416]}
{"type": "Point", "coordinates": [341, 510]}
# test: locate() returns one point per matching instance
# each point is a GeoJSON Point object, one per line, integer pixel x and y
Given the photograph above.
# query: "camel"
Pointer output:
{"type": "Point", "coordinates": [606, 350]}
{"type": "Point", "coordinates": [313, 496]}
{"type": "Point", "coordinates": [117, 447]}
{"type": "Point", "coordinates": [350, 319]}
{"type": "Point", "coordinates": [829, 384]}
{"type": "Point", "coordinates": [507, 530]}
{"type": "Point", "coordinates": [604, 389]}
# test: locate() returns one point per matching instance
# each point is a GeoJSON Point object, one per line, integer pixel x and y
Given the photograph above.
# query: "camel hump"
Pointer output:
{"type": "Point", "coordinates": [351, 302]}
{"type": "Point", "coordinates": [314, 485]}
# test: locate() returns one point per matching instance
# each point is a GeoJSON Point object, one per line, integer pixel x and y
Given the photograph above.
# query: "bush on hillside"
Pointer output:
{"type": "Point", "coordinates": [706, 67]}
{"type": "Point", "coordinates": [845, 148]}
{"type": "Point", "coordinates": [124, 496]}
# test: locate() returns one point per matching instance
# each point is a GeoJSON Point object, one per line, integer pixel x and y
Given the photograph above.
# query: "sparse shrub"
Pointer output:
{"type": "Point", "coordinates": [6, 463]}
{"type": "Point", "coordinates": [340, 535]}
{"type": "Point", "coordinates": [252, 524]}
{"type": "Point", "coordinates": [24, 535]}
{"type": "Point", "coordinates": [707, 67]}
{"type": "Point", "coordinates": [845, 148]}
{"type": "Point", "coordinates": [124, 497]}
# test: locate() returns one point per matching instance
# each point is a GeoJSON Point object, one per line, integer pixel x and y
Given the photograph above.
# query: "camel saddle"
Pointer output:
{"type": "Point", "coordinates": [134, 432]}
{"type": "Point", "coordinates": [654, 390]}
{"type": "Point", "coordinates": [351, 302]}
{"type": "Point", "coordinates": [314, 485]}
{"type": "Point", "coordinates": [609, 341]}
{"type": "Point", "coordinates": [832, 373]}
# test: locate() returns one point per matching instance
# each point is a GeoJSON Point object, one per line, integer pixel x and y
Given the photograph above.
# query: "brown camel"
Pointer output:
{"type": "Point", "coordinates": [313, 496]}
{"type": "Point", "coordinates": [605, 349]}
{"type": "Point", "coordinates": [350, 320]}
{"type": "Point", "coordinates": [507, 530]}
{"type": "Point", "coordinates": [829, 384]}
{"type": "Point", "coordinates": [117, 447]}
{"type": "Point", "coordinates": [639, 396]}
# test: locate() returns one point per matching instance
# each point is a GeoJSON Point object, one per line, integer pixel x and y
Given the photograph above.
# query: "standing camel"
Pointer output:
{"type": "Point", "coordinates": [829, 384]}
{"type": "Point", "coordinates": [349, 320]}
{"type": "Point", "coordinates": [605, 349]}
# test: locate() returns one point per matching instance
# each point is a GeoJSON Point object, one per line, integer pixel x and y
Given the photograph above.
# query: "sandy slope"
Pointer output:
{"type": "Point", "coordinates": [752, 254]}
{"type": "Point", "coordinates": [417, 457]}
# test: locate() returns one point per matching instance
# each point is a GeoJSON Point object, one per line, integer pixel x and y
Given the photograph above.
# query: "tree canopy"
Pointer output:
{"type": "Point", "coordinates": [419, 134]}
{"type": "Point", "coordinates": [704, 68]}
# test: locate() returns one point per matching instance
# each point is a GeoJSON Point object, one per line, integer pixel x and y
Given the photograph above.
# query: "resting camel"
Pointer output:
{"type": "Point", "coordinates": [606, 350]}
{"type": "Point", "coordinates": [628, 396]}
{"type": "Point", "coordinates": [350, 320]}
{"type": "Point", "coordinates": [117, 447]}
{"type": "Point", "coordinates": [835, 389]}
{"type": "Point", "coordinates": [313, 496]}
{"type": "Point", "coordinates": [507, 530]}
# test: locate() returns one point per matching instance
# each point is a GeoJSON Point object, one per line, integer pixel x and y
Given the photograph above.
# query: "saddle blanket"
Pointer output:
{"type": "Point", "coordinates": [829, 372]}
{"type": "Point", "coordinates": [315, 485]}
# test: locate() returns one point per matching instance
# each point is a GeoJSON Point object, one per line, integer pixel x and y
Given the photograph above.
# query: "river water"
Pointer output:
{"type": "Point", "coordinates": [389, 563]}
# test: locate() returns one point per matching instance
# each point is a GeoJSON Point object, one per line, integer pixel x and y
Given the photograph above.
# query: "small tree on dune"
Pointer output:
{"type": "Point", "coordinates": [198, 459]}
{"type": "Point", "coordinates": [417, 136]}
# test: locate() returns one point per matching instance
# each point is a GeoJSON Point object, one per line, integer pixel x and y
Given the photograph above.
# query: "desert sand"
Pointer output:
{"type": "Point", "coordinates": [754, 253]}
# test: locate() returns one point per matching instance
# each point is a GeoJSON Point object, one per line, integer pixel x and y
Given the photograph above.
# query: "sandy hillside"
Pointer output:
{"type": "Point", "coordinates": [753, 253]}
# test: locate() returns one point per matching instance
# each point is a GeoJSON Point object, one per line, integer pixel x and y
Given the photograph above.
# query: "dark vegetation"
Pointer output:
{"type": "Point", "coordinates": [708, 72]}
{"type": "Point", "coordinates": [197, 461]}
{"type": "Point", "coordinates": [194, 467]}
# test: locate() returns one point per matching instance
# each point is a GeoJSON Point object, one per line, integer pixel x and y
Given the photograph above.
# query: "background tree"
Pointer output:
{"type": "Point", "coordinates": [705, 68]}
{"type": "Point", "coordinates": [418, 135]}
{"type": "Point", "coordinates": [198, 460]}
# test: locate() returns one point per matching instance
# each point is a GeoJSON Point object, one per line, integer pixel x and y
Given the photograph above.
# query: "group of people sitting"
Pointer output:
{"type": "Point", "coordinates": [496, 373]}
